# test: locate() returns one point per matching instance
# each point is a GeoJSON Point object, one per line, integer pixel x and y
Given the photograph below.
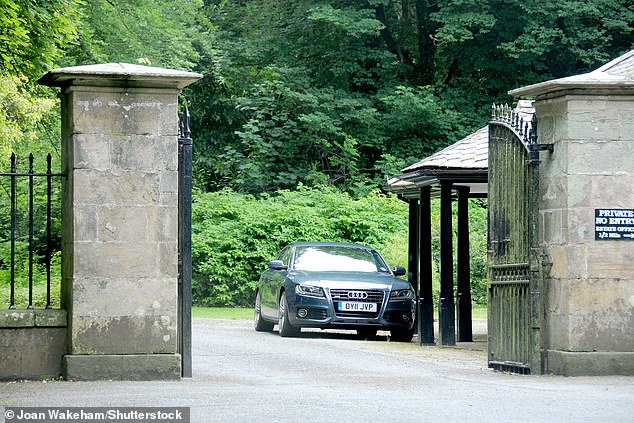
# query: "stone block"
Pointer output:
{"type": "Point", "coordinates": [17, 318]}
{"type": "Point", "coordinates": [553, 227]}
{"type": "Point", "coordinates": [590, 363]}
{"type": "Point", "coordinates": [579, 224]}
{"type": "Point", "coordinates": [569, 261]}
{"type": "Point", "coordinates": [600, 158]}
{"type": "Point", "coordinates": [115, 259]}
{"type": "Point", "coordinates": [166, 224]}
{"type": "Point", "coordinates": [104, 110]}
{"type": "Point", "coordinates": [611, 259]}
{"type": "Point", "coordinates": [130, 334]}
{"type": "Point", "coordinates": [168, 118]}
{"type": "Point", "coordinates": [601, 191]}
{"type": "Point", "coordinates": [85, 224]}
{"type": "Point", "coordinates": [554, 112]}
{"type": "Point", "coordinates": [126, 224]}
{"type": "Point", "coordinates": [123, 367]}
{"type": "Point", "coordinates": [590, 314]}
{"type": "Point", "coordinates": [144, 153]}
{"type": "Point", "coordinates": [51, 318]}
{"type": "Point", "coordinates": [558, 254]}
{"type": "Point", "coordinates": [128, 189]}
{"type": "Point", "coordinates": [91, 151]}
{"type": "Point", "coordinates": [136, 297]}
{"type": "Point", "coordinates": [553, 165]}
{"type": "Point", "coordinates": [32, 353]}
{"type": "Point", "coordinates": [553, 192]}
{"type": "Point", "coordinates": [168, 261]}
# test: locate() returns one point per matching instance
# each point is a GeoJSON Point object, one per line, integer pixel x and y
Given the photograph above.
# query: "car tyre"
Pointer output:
{"type": "Point", "coordinates": [400, 335]}
{"type": "Point", "coordinates": [366, 333]}
{"type": "Point", "coordinates": [259, 323]}
{"type": "Point", "coordinates": [284, 326]}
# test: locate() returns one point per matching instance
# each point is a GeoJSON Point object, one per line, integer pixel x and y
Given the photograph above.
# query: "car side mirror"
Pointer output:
{"type": "Point", "coordinates": [398, 271]}
{"type": "Point", "coordinates": [277, 265]}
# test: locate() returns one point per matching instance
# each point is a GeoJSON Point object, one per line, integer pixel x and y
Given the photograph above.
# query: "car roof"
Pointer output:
{"type": "Point", "coordinates": [328, 244]}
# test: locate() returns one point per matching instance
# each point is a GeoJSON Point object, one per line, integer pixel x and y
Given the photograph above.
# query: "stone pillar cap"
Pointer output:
{"type": "Point", "coordinates": [617, 75]}
{"type": "Point", "coordinates": [119, 75]}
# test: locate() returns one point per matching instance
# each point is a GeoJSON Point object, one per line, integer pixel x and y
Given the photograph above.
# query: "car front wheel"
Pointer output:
{"type": "Point", "coordinates": [259, 323]}
{"type": "Point", "coordinates": [284, 326]}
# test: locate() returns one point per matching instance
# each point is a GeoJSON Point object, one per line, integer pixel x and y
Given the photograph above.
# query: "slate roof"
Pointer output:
{"type": "Point", "coordinates": [466, 161]}
{"type": "Point", "coordinates": [471, 152]}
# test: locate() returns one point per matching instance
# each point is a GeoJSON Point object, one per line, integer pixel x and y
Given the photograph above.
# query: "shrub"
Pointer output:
{"type": "Point", "coordinates": [234, 235]}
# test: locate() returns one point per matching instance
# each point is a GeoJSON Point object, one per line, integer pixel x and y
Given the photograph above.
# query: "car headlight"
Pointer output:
{"type": "Point", "coordinates": [402, 294]}
{"type": "Point", "coordinates": [310, 290]}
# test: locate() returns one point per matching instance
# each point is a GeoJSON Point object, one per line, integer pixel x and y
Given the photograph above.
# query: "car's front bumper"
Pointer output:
{"type": "Point", "coordinates": [322, 313]}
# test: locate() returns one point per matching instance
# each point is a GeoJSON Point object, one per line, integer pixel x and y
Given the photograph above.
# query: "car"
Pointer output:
{"type": "Point", "coordinates": [331, 285]}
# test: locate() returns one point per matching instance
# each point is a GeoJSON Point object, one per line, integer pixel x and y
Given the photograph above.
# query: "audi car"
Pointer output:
{"type": "Point", "coordinates": [334, 286]}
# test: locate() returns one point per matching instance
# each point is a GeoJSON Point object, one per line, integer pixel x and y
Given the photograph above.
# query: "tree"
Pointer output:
{"type": "Point", "coordinates": [306, 91]}
{"type": "Point", "coordinates": [153, 32]}
{"type": "Point", "coordinates": [33, 34]}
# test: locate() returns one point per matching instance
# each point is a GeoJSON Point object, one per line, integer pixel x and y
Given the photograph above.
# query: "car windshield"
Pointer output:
{"type": "Point", "coordinates": [338, 259]}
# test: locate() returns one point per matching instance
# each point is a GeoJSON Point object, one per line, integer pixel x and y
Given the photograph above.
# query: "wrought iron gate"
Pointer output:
{"type": "Point", "coordinates": [514, 320]}
{"type": "Point", "coordinates": [185, 244]}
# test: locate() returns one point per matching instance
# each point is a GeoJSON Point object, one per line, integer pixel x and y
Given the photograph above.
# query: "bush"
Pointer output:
{"type": "Point", "coordinates": [234, 236]}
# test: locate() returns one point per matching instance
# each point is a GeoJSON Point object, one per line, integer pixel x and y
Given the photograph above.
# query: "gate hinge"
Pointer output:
{"type": "Point", "coordinates": [542, 147]}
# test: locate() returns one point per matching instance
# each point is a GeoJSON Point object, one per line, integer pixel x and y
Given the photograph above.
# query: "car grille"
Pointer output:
{"type": "Point", "coordinates": [374, 296]}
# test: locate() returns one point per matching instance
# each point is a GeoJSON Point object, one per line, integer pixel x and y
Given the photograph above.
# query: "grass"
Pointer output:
{"type": "Point", "coordinates": [222, 313]}
{"type": "Point", "coordinates": [478, 312]}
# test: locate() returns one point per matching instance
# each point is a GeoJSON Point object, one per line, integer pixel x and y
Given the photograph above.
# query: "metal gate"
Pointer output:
{"type": "Point", "coordinates": [185, 244]}
{"type": "Point", "coordinates": [514, 319]}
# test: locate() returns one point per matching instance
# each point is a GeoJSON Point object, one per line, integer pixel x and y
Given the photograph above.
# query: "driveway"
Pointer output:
{"type": "Point", "coordinates": [244, 376]}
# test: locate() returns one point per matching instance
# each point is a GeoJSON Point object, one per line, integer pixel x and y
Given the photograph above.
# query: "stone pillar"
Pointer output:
{"type": "Point", "coordinates": [120, 219]}
{"type": "Point", "coordinates": [588, 282]}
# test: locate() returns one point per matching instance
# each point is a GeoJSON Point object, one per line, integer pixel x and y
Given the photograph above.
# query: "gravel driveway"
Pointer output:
{"type": "Point", "coordinates": [244, 376]}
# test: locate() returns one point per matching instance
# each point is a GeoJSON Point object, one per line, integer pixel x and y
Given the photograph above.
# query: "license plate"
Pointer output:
{"type": "Point", "coordinates": [352, 306]}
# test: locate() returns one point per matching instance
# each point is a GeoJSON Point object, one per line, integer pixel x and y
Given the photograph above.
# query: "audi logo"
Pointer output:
{"type": "Point", "coordinates": [357, 295]}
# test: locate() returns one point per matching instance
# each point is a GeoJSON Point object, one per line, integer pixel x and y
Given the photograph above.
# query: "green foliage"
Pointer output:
{"type": "Point", "coordinates": [235, 235]}
{"type": "Point", "coordinates": [478, 221]}
{"type": "Point", "coordinates": [21, 272]}
{"type": "Point", "coordinates": [21, 120]}
{"type": "Point", "coordinates": [299, 93]}
{"type": "Point", "coordinates": [150, 32]}
{"type": "Point", "coordinates": [34, 33]}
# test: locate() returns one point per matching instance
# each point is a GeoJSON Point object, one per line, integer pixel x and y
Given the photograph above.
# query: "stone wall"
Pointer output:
{"type": "Point", "coordinates": [32, 343]}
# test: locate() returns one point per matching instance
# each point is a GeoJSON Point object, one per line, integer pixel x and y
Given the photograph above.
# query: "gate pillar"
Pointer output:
{"type": "Point", "coordinates": [120, 219]}
{"type": "Point", "coordinates": [586, 211]}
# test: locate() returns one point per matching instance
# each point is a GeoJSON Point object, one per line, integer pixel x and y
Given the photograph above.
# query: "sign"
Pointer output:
{"type": "Point", "coordinates": [614, 224]}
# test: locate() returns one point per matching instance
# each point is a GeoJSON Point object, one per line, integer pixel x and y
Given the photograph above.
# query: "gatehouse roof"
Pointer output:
{"type": "Point", "coordinates": [464, 163]}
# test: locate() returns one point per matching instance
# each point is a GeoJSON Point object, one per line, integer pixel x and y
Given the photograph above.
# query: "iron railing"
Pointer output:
{"type": "Point", "coordinates": [16, 222]}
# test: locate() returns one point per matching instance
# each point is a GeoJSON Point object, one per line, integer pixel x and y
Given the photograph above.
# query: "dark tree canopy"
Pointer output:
{"type": "Point", "coordinates": [342, 92]}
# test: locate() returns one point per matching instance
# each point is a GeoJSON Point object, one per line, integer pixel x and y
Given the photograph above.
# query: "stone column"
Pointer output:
{"type": "Point", "coordinates": [588, 282]}
{"type": "Point", "coordinates": [120, 219]}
